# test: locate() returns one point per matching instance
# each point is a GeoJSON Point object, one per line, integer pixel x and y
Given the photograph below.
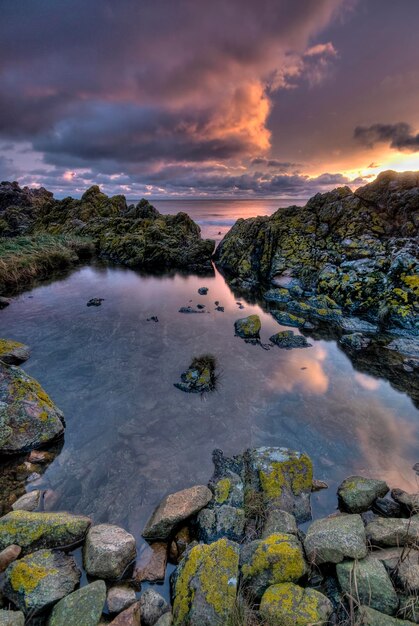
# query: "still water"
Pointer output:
{"type": "Point", "coordinates": [132, 437]}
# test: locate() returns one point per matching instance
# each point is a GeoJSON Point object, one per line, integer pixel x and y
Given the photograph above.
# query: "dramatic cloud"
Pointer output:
{"type": "Point", "coordinates": [399, 136]}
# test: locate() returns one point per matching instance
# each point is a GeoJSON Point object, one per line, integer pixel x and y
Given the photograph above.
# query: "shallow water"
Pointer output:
{"type": "Point", "coordinates": [132, 437]}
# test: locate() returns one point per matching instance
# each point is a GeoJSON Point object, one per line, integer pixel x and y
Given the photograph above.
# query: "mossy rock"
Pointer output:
{"type": "Point", "coordinates": [40, 579]}
{"type": "Point", "coordinates": [11, 618]}
{"type": "Point", "coordinates": [13, 352]}
{"type": "Point", "coordinates": [28, 416]}
{"type": "Point", "coordinates": [83, 606]}
{"type": "Point", "coordinates": [285, 478]}
{"type": "Point", "coordinates": [290, 605]}
{"type": "Point", "coordinates": [357, 493]}
{"type": "Point", "coordinates": [205, 584]}
{"type": "Point", "coordinates": [221, 521]}
{"type": "Point", "coordinates": [332, 539]}
{"type": "Point", "coordinates": [366, 616]}
{"type": "Point", "coordinates": [248, 327]}
{"type": "Point", "coordinates": [277, 559]}
{"type": "Point", "coordinates": [368, 582]}
{"type": "Point", "coordinates": [34, 530]}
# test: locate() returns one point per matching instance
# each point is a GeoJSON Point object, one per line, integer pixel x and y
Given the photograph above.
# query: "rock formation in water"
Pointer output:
{"type": "Point", "coordinates": [358, 249]}
{"type": "Point", "coordinates": [137, 236]}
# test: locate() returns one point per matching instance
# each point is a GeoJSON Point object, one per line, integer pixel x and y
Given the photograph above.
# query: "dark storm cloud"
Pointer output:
{"type": "Point", "coordinates": [100, 83]}
{"type": "Point", "coordinates": [281, 165]}
{"type": "Point", "coordinates": [399, 136]}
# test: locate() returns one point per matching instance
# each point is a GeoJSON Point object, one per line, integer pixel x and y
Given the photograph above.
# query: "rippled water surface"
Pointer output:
{"type": "Point", "coordinates": [132, 437]}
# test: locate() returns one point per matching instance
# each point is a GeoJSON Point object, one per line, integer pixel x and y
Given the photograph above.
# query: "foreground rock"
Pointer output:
{"type": "Point", "coordinates": [40, 579]}
{"type": "Point", "coordinates": [28, 417]}
{"type": "Point", "coordinates": [174, 509]}
{"type": "Point", "coordinates": [32, 531]}
{"type": "Point", "coordinates": [357, 493]}
{"type": "Point", "coordinates": [205, 584]}
{"type": "Point", "coordinates": [358, 248]}
{"type": "Point", "coordinates": [290, 605]}
{"type": "Point", "coordinates": [83, 606]}
{"type": "Point", "coordinates": [368, 582]}
{"type": "Point", "coordinates": [13, 352]}
{"type": "Point", "coordinates": [332, 539]}
{"type": "Point", "coordinates": [152, 607]}
{"type": "Point", "coordinates": [108, 551]}
{"type": "Point", "coordinates": [200, 376]}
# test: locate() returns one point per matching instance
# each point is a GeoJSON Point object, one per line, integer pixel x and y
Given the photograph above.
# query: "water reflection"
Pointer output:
{"type": "Point", "coordinates": [132, 437]}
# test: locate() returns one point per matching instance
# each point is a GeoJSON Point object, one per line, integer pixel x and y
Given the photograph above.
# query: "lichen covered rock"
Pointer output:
{"type": "Point", "coordinates": [368, 582]}
{"type": "Point", "coordinates": [28, 416]}
{"type": "Point", "coordinates": [13, 352]}
{"type": "Point", "coordinates": [221, 521]}
{"type": "Point", "coordinates": [32, 530]}
{"type": "Point", "coordinates": [248, 327]}
{"type": "Point", "coordinates": [393, 532]}
{"type": "Point", "coordinates": [83, 606]}
{"type": "Point", "coordinates": [205, 584]}
{"type": "Point", "coordinates": [332, 539]}
{"type": "Point", "coordinates": [290, 605]}
{"type": "Point", "coordinates": [277, 559]}
{"type": "Point", "coordinates": [288, 340]}
{"type": "Point", "coordinates": [358, 493]}
{"type": "Point", "coordinates": [40, 579]}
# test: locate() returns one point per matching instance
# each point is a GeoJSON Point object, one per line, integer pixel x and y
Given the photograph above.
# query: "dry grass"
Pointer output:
{"type": "Point", "coordinates": [25, 259]}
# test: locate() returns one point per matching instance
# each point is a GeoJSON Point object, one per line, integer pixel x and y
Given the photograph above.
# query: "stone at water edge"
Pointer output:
{"type": "Point", "coordinates": [129, 617]}
{"type": "Point", "coordinates": [152, 607]}
{"type": "Point", "coordinates": [393, 531]}
{"type": "Point", "coordinates": [290, 605]}
{"type": "Point", "coordinates": [108, 550]}
{"type": "Point", "coordinates": [83, 606]}
{"type": "Point", "coordinates": [11, 618]}
{"type": "Point", "coordinates": [28, 416]}
{"type": "Point", "coordinates": [203, 291]}
{"type": "Point", "coordinates": [288, 340]}
{"type": "Point", "coordinates": [370, 617]}
{"type": "Point", "coordinates": [357, 493]}
{"type": "Point", "coordinates": [331, 539]}
{"type": "Point", "coordinates": [8, 555]}
{"type": "Point", "coordinates": [285, 478]}
{"type": "Point", "coordinates": [223, 521]}
{"type": "Point", "coordinates": [174, 509]}
{"type": "Point", "coordinates": [28, 502]}
{"type": "Point", "coordinates": [152, 564]}
{"type": "Point", "coordinates": [13, 352]}
{"type": "Point", "coordinates": [409, 501]}
{"type": "Point", "coordinates": [205, 584]}
{"type": "Point", "coordinates": [277, 559]}
{"type": "Point", "coordinates": [248, 327]}
{"type": "Point", "coordinates": [120, 597]}
{"type": "Point", "coordinates": [33, 530]}
{"type": "Point", "coordinates": [368, 582]}
{"type": "Point", "coordinates": [40, 579]}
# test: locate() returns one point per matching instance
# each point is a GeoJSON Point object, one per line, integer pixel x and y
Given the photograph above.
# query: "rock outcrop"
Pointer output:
{"type": "Point", "coordinates": [358, 248]}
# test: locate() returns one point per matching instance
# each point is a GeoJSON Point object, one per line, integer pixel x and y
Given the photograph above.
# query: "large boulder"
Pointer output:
{"type": "Point", "coordinates": [285, 478]}
{"type": "Point", "coordinates": [368, 582]}
{"type": "Point", "coordinates": [40, 579]}
{"type": "Point", "coordinates": [205, 584]}
{"type": "Point", "coordinates": [32, 531]}
{"type": "Point", "coordinates": [174, 509]}
{"type": "Point", "coordinates": [290, 605]}
{"type": "Point", "coordinates": [393, 532]}
{"type": "Point", "coordinates": [28, 416]}
{"type": "Point", "coordinates": [108, 551]}
{"type": "Point", "coordinates": [332, 539]}
{"type": "Point", "coordinates": [358, 493]}
{"type": "Point", "coordinates": [13, 352]}
{"type": "Point", "coordinates": [83, 606]}
{"type": "Point", "coordinates": [276, 559]}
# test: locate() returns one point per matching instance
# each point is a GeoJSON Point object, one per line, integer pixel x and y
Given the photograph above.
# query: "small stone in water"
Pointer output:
{"type": "Point", "coordinates": [203, 291]}
{"type": "Point", "coordinates": [95, 301]}
{"type": "Point", "coordinates": [219, 308]}
{"type": "Point", "coordinates": [153, 318]}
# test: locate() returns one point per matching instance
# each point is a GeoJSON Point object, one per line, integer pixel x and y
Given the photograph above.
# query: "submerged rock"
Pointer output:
{"type": "Point", "coordinates": [368, 582]}
{"type": "Point", "coordinates": [332, 539]}
{"type": "Point", "coordinates": [28, 416]}
{"type": "Point", "coordinates": [13, 352]}
{"type": "Point", "coordinates": [358, 493]}
{"type": "Point", "coordinates": [40, 579]}
{"type": "Point", "coordinates": [152, 564]}
{"type": "Point", "coordinates": [355, 341]}
{"type": "Point", "coordinates": [248, 327]}
{"type": "Point", "coordinates": [205, 584]}
{"type": "Point", "coordinates": [175, 509]}
{"type": "Point", "coordinates": [288, 340]}
{"type": "Point", "coordinates": [31, 530]}
{"type": "Point", "coordinates": [277, 559]}
{"type": "Point", "coordinates": [108, 551]}
{"type": "Point", "coordinates": [200, 375]}
{"type": "Point", "coordinates": [83, 606]}
{"type": "Point", "coordinates": [290, 605]}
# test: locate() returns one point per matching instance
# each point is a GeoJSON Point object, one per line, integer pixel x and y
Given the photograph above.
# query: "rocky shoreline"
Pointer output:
{"type": "Point", "coordinates": [241, 555]}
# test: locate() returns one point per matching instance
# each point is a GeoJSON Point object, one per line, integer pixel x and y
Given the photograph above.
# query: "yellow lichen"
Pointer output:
{"type": "Point", "coordinates": [281, 554]}
{"type": "Point", "coordinates": [222, 490]}
{"type": "Point", "coordinates": [26, 576]}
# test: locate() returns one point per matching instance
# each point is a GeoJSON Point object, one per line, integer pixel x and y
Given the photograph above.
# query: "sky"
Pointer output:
{"type": "Point", "coordinates": [179, 98]}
